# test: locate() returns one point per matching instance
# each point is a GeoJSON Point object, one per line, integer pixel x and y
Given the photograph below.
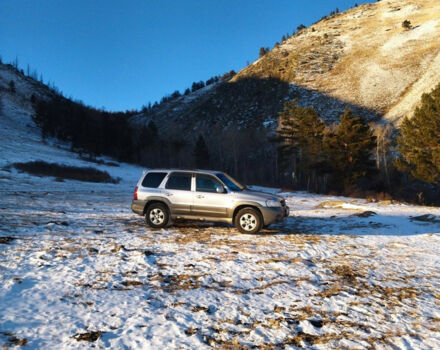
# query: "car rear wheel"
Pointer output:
{"type": "Point", "coordinates": [248, 220]}
{"type": "Point", "coordinates": [157, 215]}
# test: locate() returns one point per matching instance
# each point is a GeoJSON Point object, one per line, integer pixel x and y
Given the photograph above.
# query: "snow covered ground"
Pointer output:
{"type": "Point", "coordinates": [79, 270]}
{"type": "Point", "coordinates": [74, 260]}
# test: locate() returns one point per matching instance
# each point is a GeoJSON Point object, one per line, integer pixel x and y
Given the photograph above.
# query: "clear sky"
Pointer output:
{"type": "Point", "coordinates": [122, 54]}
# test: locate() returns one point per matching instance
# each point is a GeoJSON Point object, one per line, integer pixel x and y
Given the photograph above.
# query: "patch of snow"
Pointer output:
{"type": "Point", "coordinates": [402, 11]}
{"type": "Point", "coordinates": [269, 123]}
{"type": "Point", "coordinates": [198, 93]}
{"type": "Point", "coordinates": [426, 30]}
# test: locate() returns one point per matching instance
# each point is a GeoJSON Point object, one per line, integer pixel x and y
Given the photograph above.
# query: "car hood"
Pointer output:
{"type": "Point", "coordinates": [256, 196]}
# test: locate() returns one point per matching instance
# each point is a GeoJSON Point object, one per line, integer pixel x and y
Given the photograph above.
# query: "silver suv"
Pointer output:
{"type": "Point", "coordinates": [163, 195]}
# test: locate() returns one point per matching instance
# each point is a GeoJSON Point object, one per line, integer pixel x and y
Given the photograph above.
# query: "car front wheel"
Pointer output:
{"type": "Point", "coordinates": [157, 215]}
{"type": "Point", "coordinates": [248, 220]}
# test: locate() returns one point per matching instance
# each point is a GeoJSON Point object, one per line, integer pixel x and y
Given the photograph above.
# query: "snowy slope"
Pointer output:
{"type": "Point", "coordinates": [77, 268]}
{"type": "Point", "coordinates": [20, 138]}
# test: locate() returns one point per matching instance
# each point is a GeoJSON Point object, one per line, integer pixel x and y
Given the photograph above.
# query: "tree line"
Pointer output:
{"type": "Point", "coordinates": [92, 132]}
{"type": "Point", "coordinates": [354, 157]}
{"type": "Point", "coordinates": [318, 157]}
{"type": "Point", "coordinates": [351, 157]}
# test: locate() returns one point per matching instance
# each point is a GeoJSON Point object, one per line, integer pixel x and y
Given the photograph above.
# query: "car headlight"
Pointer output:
{"type": "Point", "coordinates": [273, 203]}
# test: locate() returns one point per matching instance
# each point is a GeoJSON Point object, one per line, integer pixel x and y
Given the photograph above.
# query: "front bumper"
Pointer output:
{"type": "Point", "coordinates": [138, 206]}
{"type": "Point", "coordinates": [274, 214]}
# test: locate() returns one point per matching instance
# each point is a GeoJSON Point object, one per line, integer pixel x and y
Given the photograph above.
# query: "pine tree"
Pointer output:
{"type": "Point", "coordinates": [349, 148]}
{"type": "Point", "coordinates": [419, 140]}
{"type": "Point", "coordinates": [263, 51]}
{"type": "Point", "coordinates": [12, 86]}
{"type": "Point", "coordinates": [201, 153]}
{"type": "Point", "coordinates": [300, 138]}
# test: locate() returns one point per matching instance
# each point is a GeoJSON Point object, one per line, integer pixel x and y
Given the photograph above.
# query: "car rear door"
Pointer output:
{"type": "Point", "coordinates": [207, 201]}
{"type": "Point", "coordinates": [178, 191]}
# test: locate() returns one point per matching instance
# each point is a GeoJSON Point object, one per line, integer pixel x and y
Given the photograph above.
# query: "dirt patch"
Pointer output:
{"type": "Point", "coordinates": [88, 174]}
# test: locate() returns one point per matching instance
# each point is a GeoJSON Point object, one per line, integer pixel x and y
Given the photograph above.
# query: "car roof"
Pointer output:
{"type": "Point", "coordinates": [201, 171]}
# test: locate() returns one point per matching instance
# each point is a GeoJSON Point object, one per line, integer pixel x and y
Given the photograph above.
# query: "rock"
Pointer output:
{"type": "Point", "coordinates": [317, 323]}
{"type": "Point", "coordinates": [88, 336]}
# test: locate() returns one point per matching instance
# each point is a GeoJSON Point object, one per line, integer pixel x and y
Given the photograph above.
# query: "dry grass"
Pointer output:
{"type": "Point", "coordinates": [331, 204]}
{"type": "Point", "coordinates": [346, 273]}
{"type": "Point", "coordinates": [334, 289]}
{"type": "Point", "coordinates": [173, 283]}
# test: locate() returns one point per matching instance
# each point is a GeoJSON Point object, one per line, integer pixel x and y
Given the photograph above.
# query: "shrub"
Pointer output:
{"type": "Point", "coordinates": [406, 24]}
{"type": "Point", "coordinates": [88, 174]}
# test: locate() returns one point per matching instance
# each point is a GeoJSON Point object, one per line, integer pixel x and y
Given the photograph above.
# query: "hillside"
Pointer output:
{"type": "Point", "coordinates": [363, 56]}
{"type": "Point", "coordinates": [362, 59]}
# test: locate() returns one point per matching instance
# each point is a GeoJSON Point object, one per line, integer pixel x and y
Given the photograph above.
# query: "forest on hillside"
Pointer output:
{"type": "Point", "coordinates": [350, 157]}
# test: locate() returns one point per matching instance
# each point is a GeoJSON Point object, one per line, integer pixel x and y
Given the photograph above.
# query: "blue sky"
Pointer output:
{"type": "Point", "coordinates": [122, 54]}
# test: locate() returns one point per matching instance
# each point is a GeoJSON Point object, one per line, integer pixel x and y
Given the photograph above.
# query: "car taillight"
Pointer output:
{"type": "Point", "coordinates": [135, 194]}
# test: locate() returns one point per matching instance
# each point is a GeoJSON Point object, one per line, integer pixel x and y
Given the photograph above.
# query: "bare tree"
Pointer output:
{"type": "Point", "coordinates": [384, 147]}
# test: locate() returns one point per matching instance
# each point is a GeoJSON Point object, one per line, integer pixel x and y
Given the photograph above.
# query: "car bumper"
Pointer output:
{"type": "Point", "coordinates": [138, 206]}
{"type": "Point", "coordinates": [274, 214]}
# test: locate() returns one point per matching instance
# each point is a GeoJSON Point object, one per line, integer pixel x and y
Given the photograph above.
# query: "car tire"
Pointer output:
{"type": "Point", "coordinates": [157, 215]}
{"type": "Point", "coordinates": [248, 220]}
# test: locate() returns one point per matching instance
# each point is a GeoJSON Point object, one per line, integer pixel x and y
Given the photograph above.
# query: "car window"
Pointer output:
{"type": "Point", "coordinates": [232, 184]}
{"type": "Point", "coordinates": [153, 180]}
{"type": "Point", "coordinates": [179, 181]}
{"type": "Point", "coordinates": [205, 183]}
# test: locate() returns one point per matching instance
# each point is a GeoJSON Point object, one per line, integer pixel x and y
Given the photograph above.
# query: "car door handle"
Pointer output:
{"type": "Point", "coordinates": [168, 194]}
{"type": "Point", "coordinates": [200, 196]}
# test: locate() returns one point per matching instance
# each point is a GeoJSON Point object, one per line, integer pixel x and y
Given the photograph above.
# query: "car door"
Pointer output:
{"type": "Point", "coordinates": [178, 191]}
{"type": "Point", "coordinates": [207, 201]}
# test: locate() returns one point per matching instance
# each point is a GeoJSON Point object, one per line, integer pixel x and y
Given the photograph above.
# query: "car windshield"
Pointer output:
{"type": "Point", "coordinates": [232, 184]}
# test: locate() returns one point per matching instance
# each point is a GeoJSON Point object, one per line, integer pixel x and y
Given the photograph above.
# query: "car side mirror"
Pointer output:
{"type": "Point", "coordinates": [219, 189]}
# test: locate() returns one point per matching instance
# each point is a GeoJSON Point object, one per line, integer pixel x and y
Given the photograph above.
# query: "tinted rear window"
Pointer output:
{"type": "Point", "coordinates": [153, 180]}
{"type": "Point", "coordinates": [179, 181]}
